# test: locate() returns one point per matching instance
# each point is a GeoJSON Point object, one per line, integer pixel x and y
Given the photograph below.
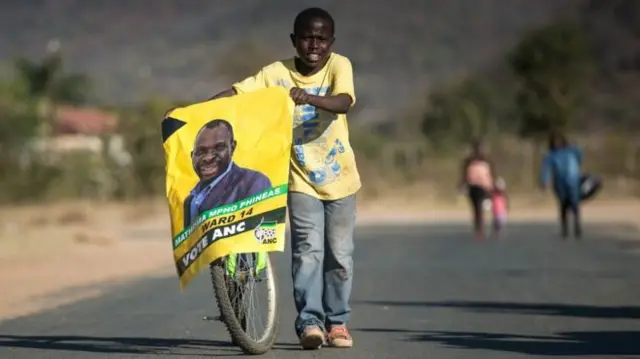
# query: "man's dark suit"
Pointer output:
{"type": "Point", "coordinates": [239, 183]}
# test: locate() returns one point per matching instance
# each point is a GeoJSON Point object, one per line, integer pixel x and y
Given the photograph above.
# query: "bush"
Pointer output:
{"type": "Point", "coordinates": [472, 109]}
{"type": "Point", "coordinates": [142, 138]}
{"type": "Point", "coordinates": [24, 173]}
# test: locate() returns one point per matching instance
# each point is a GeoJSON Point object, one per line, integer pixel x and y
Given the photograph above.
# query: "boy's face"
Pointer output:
{"type": "Point", "coordinates": [313, 43]}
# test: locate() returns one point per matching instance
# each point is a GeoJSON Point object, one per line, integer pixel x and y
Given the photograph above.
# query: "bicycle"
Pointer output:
{"type": "Point", "coordinates": [228, 288]}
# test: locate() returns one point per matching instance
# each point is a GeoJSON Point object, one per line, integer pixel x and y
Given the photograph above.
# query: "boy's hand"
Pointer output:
{"type": "Point", "coordinates": [299, 96]}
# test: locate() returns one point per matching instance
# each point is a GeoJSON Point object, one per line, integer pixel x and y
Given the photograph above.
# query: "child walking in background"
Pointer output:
{"type": "Point", "coordinates": [499, 207]}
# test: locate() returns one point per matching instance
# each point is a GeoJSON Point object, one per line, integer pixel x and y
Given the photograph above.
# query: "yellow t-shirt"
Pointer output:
{"type": "Point", "coordinates": [323, 164]}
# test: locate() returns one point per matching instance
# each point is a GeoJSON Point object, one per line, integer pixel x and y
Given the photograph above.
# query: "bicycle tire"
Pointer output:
{"type": "Point", "coordinates": [229, 314]}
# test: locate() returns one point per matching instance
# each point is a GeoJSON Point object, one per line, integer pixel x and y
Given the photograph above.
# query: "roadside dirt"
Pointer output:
{"type": "Point", "coordinates": [54, 255]}
{"type": "Point", "coordinates": [57, 254]}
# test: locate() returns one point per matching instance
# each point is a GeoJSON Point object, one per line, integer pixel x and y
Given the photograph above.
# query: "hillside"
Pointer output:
{"type": "Point", "coordinates": [614, 30]}
{"type": "Point", "coordinates": [179, 49]}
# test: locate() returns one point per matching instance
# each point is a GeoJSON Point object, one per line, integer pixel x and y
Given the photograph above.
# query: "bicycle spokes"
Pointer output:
{"type": "Point", "coordinates": [241, 267]}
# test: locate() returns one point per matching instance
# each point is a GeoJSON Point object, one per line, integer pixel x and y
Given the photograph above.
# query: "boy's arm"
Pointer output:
{"type": "Point", "coordinates": [463, 173]}
{"type": "Point", "coordinates": [226, 93]}
{"type": "Point", "coordinates": [545, 171]}
{"type": "Point", "coordinates": [340, 103]}
{"type": "Point", "coordinates": [578, 152]}
{"type": "Point", "coordinates": [342, 96]}
{"type": "Point", "coordinates": [492, 172]}
{"type": "Point", "coordinates": [492, 168]}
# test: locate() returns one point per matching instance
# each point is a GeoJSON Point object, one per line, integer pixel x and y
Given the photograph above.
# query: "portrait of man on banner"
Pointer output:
{"type": "Point", "coordinates": [222, 181]}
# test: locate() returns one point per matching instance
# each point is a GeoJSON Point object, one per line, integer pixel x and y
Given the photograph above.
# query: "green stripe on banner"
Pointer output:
{"type": "Point", "coordinates": [277, 215]}
{"type": "Point", "coordinates": [229, 208]}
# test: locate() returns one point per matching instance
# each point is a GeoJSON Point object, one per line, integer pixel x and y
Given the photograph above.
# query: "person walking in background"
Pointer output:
{"type": "Point", "coordinates": [499, 207]}
{"type": "Point", "coordinates": [563, 164]}
{"type": "Point", "coordinates": [477, 177]}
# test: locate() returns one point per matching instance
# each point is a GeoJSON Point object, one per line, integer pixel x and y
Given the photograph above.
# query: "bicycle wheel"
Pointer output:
{"type": "Point", "coordinates": [232, 294]}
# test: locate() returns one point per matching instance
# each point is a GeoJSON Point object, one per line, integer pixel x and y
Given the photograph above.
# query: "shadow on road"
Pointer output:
{"type": "Point", "coordinates": [561, 344]}
{"type": "Point", "coordinates": [567, 310]}
{"type": "Point", "coordinates": [123, 345]}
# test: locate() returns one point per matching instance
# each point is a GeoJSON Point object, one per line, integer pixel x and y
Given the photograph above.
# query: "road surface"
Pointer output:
{"type": "Point", "coordinates": [420, 292]}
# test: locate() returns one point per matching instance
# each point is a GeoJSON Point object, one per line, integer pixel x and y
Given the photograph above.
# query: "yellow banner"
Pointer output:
{"type": "Point", "coordinates": [227, 171]}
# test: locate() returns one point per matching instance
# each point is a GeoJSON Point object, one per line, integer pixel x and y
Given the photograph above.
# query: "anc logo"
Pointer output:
{"type": "Point", "coordinates": [265, 232]}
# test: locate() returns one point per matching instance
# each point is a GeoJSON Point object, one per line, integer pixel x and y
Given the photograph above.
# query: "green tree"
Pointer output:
{"type": "Point", "coordinates": [48, 84]}
{"type": "Point", "coordinates": [24, 173]}
{"type": "Point", "coordinates": [472, 109]}
{"type": "Point", "coordinates": [552, 67]}
{"type": "Point", "coordinates": [142, 137]}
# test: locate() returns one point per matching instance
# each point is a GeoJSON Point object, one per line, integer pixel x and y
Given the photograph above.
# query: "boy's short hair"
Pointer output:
{"type": "Point", "coordinates": [305, 16]}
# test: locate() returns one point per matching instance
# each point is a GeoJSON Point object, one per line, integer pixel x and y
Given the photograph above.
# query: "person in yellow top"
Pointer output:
{"type": "Point", "coordinates": [324, 177]}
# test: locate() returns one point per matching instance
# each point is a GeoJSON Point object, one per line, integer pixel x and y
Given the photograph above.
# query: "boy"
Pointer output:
{"type": "Point", "coordinates": [324, 178]}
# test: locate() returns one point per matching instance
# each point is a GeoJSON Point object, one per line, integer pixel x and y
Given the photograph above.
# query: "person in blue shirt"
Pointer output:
{"type": "Point", "coordinates": [562, 164]}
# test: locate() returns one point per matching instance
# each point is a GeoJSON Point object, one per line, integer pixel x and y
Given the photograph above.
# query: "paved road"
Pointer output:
{"type": "Point", "coordinates": [421, 292]}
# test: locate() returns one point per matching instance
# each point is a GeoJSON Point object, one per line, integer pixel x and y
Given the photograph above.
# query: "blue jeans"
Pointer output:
{"type": "Point", "coordinates": [322, 264]}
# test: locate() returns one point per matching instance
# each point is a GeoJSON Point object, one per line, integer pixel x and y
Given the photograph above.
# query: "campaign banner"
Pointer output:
{"type": "Point", "coordinates": [227, 172]}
